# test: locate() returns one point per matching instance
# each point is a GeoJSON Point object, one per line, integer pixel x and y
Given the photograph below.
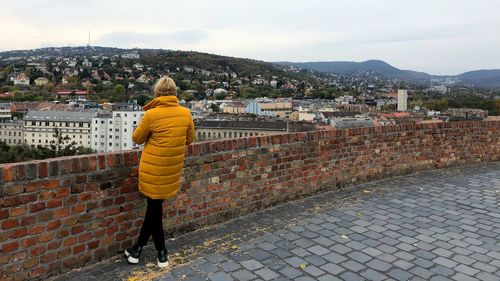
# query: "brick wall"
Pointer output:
{"type": "Point", "coordinates": [60, 213]}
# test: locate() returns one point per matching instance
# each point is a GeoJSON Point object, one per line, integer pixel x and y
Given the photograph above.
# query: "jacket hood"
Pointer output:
{"type": "Point", "coordinates": [162, 101]}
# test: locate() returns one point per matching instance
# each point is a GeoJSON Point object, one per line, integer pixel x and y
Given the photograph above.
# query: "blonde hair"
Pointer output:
{"type": "Point", "coordinates": [165, 87]}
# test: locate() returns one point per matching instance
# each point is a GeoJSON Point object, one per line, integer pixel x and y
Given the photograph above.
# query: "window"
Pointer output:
{"type": "Point", "coordinates": [33, 123]}
{"type": "Point", "coordinates": [111, 130]}
{"type": "Point", "coordinates": [125, 144]}
{"type": "Point", "coordinates": [80, 124]}
{"type": "Point", "coordinates": [67, 124]}
{"type": "Point", "coordinates": [95, 143]}
{"type": "Point", "coordinates": [102, 136]}
{"type": "Point", "coordinates": [117, 137]}
{"type": "Point", "coordinates": [125, 114]}
{"type": "Point", "coordinates": [46, 123]}
{"type": "Point", "coordinates": [97, 122]}
{"type": "Point", "coordinates": [110, 122]}
{"type": "Point", "coordinates": [95, 129]}
{"type": "Point", "coordinates": [80, 136]}
{"type": "Point", "coordinates": [102, 122]}
{"type": "Point", "coordinates": [110, 136]}
{"type": "Point", "coordinates": [96, 136]}
{"type": "Point", "coordinates": [125, 130]}
{"type": "Point", "coordinates": [110, 144]}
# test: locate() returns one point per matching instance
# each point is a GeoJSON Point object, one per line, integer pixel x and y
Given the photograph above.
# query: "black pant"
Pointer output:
{"type": "Point", "coordinates": [153, 225]}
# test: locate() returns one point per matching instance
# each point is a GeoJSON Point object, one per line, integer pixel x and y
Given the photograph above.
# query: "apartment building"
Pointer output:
{"type": "Point", "coordinates": [12, 132]}
{"type": "Point", "coordinates": [112, 131]}
{"type": "Point", "coordinates": [227, 129]}
{"type": "Point", "coordinates": [39, 126]}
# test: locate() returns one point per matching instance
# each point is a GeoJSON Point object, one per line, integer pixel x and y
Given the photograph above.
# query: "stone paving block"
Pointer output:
{"type": "Point", "coordinates": [220, 276]}
{"type": "Point", "coordinates": [295, 261]}
{"type": "Point", "coordinates": [359, 257]}
{"type": "Point", "coordinates": [370, 274]}
{"type": "Point", "coordinates": [487, 276]}
{"type": "Point", "coordinates": [244, 275]}
{"type": "Point", "coordinates": [461, 259]}
{"type": "Point", "coordinates": [340, 249]}
{"type": "Point", "coordinates": [442, 270]}
{"type": "Point", "coordinates": [423, 273]}
{"type": "Point", "coordinates": [332, 268]}
{"type": "Point", "coordinates": [353, 265]}
{"type": "Point", "coordinates": [379, 265]}
{"type": "Point", "coordinates": [318, 250]}
{"type": "Point", "coordinates": [315, 260]}
{"type": "Point", "coordinates": [291, 272]}
{"type": "Point", "coordinates": [328, 277]}
{"type": "Point", "coordinates": [400, 275]}
{"type": "Point", "coordinates": [462, 277]}
{"type": "Point", "coordinates": [467, 270]}
{"type": "Point", "coordinates": [305, 278]}
{"type": "Point", "coordinates": [229, 266]}
{"type": "Point", "coordinates": [300, 252]}
{"type": "Point", "coordinates": [313, 270]}
{"type": "Point", "coordinates": [267, 274]}
{"type": "Point", "coordinates": [350, 276]}
{"type": "Point", "coordinates": [372, 251]}
{"type": "Point", "coordinates": [251, 264]}
{"type": "Point", "coordinates": [322, 240]}
{"type": "Point", "coordinates": [266, 246]}
{"type": "Point", "coordinates": [334, 258]}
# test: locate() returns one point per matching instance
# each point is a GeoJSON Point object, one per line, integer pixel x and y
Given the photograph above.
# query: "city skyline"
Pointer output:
{"type": "Point", "coordinates": [445, 38]}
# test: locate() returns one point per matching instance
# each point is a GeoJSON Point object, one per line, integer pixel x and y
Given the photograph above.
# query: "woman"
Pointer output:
{"type": "Point", "coordinates": [166, 129]}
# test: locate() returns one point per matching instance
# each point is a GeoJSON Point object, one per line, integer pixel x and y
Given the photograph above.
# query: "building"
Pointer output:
{"type": "Point", "coordinates": [41, 81]}
{"type": "Point", "coordinates": [350, 122]}
{"type": "Point", "coordinates": [5, 112]}
{"type": "Point", "coordinates": [466, 114]}
{"type": "Point", "coordinates": [130, 56]}
{"type": "Point", "coordinates": [281, 108]}
{"type": "Point", "coordinates": [303, 116]}
{"type": "Point", "coordinates": [39, 126]}
{"type": "Point", "coordinates": [226, 129]}
{"type": "Point", "coordinates": [21, 79]}
{"type": "Point", "coordinates": [12, 132]}
{"type": "Point", "coordinates": [402, 100]}
{"type": "Point", "coordinates": [112, 131]}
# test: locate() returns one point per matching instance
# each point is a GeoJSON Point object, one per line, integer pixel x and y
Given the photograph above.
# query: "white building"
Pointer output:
{"type": "Point", "coordinates": [402, 100]}
{"type": "Point", "coordinates": [12, 132]}
{"type": "Point", "coordinates": [113, 132]}
{"type": "Point", "coordinates": [39, 126]}
{"type": "Point", "coordinates": [21, 79]}
{"type": "Point", "coordinates": [5, 112]}
{"type": "Point", "coordinates": [130, 56]}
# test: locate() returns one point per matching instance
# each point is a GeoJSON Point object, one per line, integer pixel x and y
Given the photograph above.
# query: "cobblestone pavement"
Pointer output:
{"type": "Point", "coordinates": [435, 225]}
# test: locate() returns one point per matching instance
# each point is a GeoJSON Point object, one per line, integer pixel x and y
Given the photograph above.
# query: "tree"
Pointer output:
{"type": "Point", "coordinates": [62, 146]}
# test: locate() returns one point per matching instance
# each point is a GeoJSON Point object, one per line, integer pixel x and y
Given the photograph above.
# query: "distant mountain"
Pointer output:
{"type": "Point", "coordinates": [484, 78]}
{"type": "Point", "coordinates": [351, 67]}
{"type": "Point", "coordinates": [479, 78]}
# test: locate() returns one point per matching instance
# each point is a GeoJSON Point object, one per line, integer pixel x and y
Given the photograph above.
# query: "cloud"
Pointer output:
{"type": "Point", "coordinates": [155, 40]}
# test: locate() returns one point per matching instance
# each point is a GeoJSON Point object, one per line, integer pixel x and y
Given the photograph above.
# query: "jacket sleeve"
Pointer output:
{"type": "Point", "coordinates": [190, 132]}
{"type": "Point", "coordinates": [142, 132]}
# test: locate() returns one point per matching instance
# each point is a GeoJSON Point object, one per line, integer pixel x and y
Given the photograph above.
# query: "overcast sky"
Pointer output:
{"type": "Point", "coordinates": [435, 36]}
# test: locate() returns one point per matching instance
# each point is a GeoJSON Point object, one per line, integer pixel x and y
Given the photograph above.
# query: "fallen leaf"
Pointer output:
{"type": "Point", "coordinates": [366, 191]}
{"type": "Point", "coordinates": [344, 236]}
{"type": "Point", "coordinates": [234, 247]}
{"type": "Point", "coordinates": [359, 214]}
{"type": "Point", "coordinates": [132, 279]}
{"type": "Point", "coordinates": [149, 264]}
{"type": "Point", "coordinates": [302, 266]}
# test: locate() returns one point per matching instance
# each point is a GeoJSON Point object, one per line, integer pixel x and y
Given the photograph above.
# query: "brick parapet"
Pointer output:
{"type": "Point", "coordinates": [64, 212]}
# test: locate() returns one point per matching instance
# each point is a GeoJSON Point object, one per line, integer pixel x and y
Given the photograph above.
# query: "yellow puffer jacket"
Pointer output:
{"type": "Point", "coordinates": [166, 128]}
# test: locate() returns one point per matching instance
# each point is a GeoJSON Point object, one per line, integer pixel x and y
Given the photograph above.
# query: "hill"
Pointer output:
{"type": "Point", "coordinates": [479, 78]}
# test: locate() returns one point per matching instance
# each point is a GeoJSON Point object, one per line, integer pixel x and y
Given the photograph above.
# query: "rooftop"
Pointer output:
{"type": "Point", "coordinates": [441, 224]}
{"type": "Point", "coordinates": [65, 116]}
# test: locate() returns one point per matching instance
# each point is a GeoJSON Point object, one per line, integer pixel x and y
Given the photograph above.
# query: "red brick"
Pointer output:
{"type": "Point", "coordinates": [34, 186]}
{"type": "Point", "coordinates": [37, 250]}
{"type": "Point", "coordinates": [19, 256]}
{"type": "Point", "coordinates": [62, 212]}
{"type": "Point", "coordinates": [54, 245]}
{"type": "Point", "coordinates": [10, 223]}
{"type": "Point", "coordinates": [54, 203]}
{"type": "Point", "coordinates": [46, 237]}
{"type": "Point", "coordinates": [43, 169]}
{"type": "Point", "coordinates": [28, 220]}
{"type": "Point", "coordinates": [4, 213]}
{"type": "Point", "coordinates": [54, 224]}
{"type": "Point", "coordinates": [29, 242]}
{"type": "Point", "coordinates": [30, 263]}
{"type": "Point", "coordinates": [37, 272]}
{"type": "Point", "coordinates": [85, 237]}
{"type": "Point", "coordinates": [8, 173]}
{"type": "Point", "coordinates": [78, 249]}
{"type": "Point", "coordinates": [51, 184]}
{"type": "Point", "coordinates": [36, 229]}
{"type": "Point", "coordinates": [77, 229]}
{"type": "Point", "coordinates": [19, 232]}
{"type": "Point", "coordinates": [93, 245]}
{"type": "Point", "coordinates": [9, 247]}
{"type": "Point", "coordinates": [37, 207]}
{"type": "Point", "coordinates": [62, 192]}
{"type": "Point", "coordinates": [26, 198]}
{"type": "Point", "coordinates": [80, 208]}
{"type": "Point", "coordinates": [11, 201]}
{"type": "Point", "coordinates": [13, 189]}
{"type": "Point", "coordinates": [70, 241]}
